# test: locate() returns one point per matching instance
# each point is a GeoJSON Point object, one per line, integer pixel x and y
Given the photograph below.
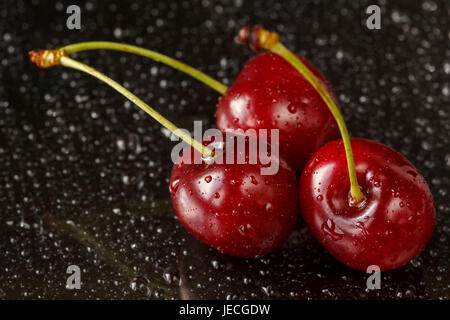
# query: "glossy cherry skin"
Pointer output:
{"type": "Point", "coordinates": [270, 94]}
{"type": "Point", "coordinates": [390, 228]}
{"type": "Point", "coordinates": [233, 208]}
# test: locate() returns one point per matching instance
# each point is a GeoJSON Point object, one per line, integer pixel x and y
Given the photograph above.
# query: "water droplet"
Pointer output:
{"type": "Point", "coordinates": [142, 285]}
{"type": "Point", "coordinates": [215, 264]}
{"type": "Point", "coordinates": [208, 179]}
{"type": "Point", "coordinates": [292, 108]}
{"type": "Point", "coordinates": [168, 277]}
{"type": "Point", "coordinates": [117, 33]}
{"type": "Point", "coordinates": [174, 185]}
{"type": "Point", "coordinates": [266, 290]}
{"type": "Point", "coordinates": [429, 6]}
{"type": "Point", "coordinates": [331, 230]}
{"type": "Point", "coordinates": [363, 228]}
{"type": "Point", "coordinates": [244, 229]}
{"type": "Point", "coordinates": [120, 144]}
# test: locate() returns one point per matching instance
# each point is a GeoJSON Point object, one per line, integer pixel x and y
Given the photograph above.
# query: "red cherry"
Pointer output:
{"type": "Point", "coordinates": [389, 228]}
{"type": "Point", "coordinates": [233, 208]}
{"type": "Point", "coordinates": [271, 94]}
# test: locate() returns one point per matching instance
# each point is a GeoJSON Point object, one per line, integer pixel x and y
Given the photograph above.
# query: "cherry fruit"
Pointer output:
{"type": "Point", "coordinates": [233, 207]}
{"type": "Point", "coordinates": [389, 220]}
{"type": "Point", "coordinates": [269, 93]}
{"type": "Point", "coordinates": [389, 228]}
{"type": "Point", "coordinates": [239, 211]}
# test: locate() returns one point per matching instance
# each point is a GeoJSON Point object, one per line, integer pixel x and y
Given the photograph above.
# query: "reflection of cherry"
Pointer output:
{"type": "Point", "coordinates": [269, 93]}
{"type": "Point", "coordinates": [389, 228]}
{"type": "Point", "coordinates": [389, 220]}
{"type": "Point", "coordinates": [233, 208]}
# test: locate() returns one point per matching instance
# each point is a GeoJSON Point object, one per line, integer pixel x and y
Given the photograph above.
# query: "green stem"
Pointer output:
{"type": "Point", "coordinates": [355, 191]}
{"type": "Point", "coordinates": [93, 45]}
{"type": "Point", "coordinates": [71, 63]}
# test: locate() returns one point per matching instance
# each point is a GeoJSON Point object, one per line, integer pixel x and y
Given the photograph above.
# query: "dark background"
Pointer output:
{"type": "Point", "coordinates": [84, 174]}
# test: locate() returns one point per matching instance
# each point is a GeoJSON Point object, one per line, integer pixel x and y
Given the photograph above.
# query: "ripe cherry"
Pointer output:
{"type": "Point", "coordinates": [269, 93]}
{"type": "Point", "coordinates": [389, 221]}
{"type": "Point", "coordinates": [233, 207]}
{"type": "Point", "coordinates": [389, 228]}
{"type": "Point", "coordinates": [266, 214]}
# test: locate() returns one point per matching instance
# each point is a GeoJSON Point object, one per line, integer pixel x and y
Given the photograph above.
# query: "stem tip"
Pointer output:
{"type": "Point", "coordinates": [257, 38]}
{"type": "Point", "coordinates": [47, 58]}
{"type": "Point", "coordinates": [357, 199]}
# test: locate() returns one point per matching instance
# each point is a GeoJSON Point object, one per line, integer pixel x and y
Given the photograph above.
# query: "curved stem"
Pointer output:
{"type": "Point", "coordinates": [93, 45]}
{"type": "Point", "coordinates": [355, 190]}
{"type": "Point", "coordinates": [71, 63]}
{"type": "Point", "coordinates": [259, 38]}
{"type": "Point", "coordinates": [50, 58]}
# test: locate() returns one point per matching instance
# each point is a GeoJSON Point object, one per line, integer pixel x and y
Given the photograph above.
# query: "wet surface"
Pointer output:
{"type": "Point", "coordinates": [84, 173]}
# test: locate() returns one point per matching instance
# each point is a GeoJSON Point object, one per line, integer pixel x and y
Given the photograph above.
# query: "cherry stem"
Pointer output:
{"type": "Point", "coordinates": [106, 45]}
{"type": "Point", "coordinates": [50, 58]}
{"type": "Point", "coordinates": [258, 38]}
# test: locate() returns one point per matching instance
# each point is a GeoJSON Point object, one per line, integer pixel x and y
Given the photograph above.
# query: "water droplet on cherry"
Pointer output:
{"type": "Point", "coordinates": [292, 108]}
{"type": "Point", "coordinates": [174, 185]}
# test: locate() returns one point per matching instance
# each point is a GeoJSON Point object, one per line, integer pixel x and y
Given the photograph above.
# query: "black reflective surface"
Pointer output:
{"type": "Point", "coordinates": [84, 173]}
